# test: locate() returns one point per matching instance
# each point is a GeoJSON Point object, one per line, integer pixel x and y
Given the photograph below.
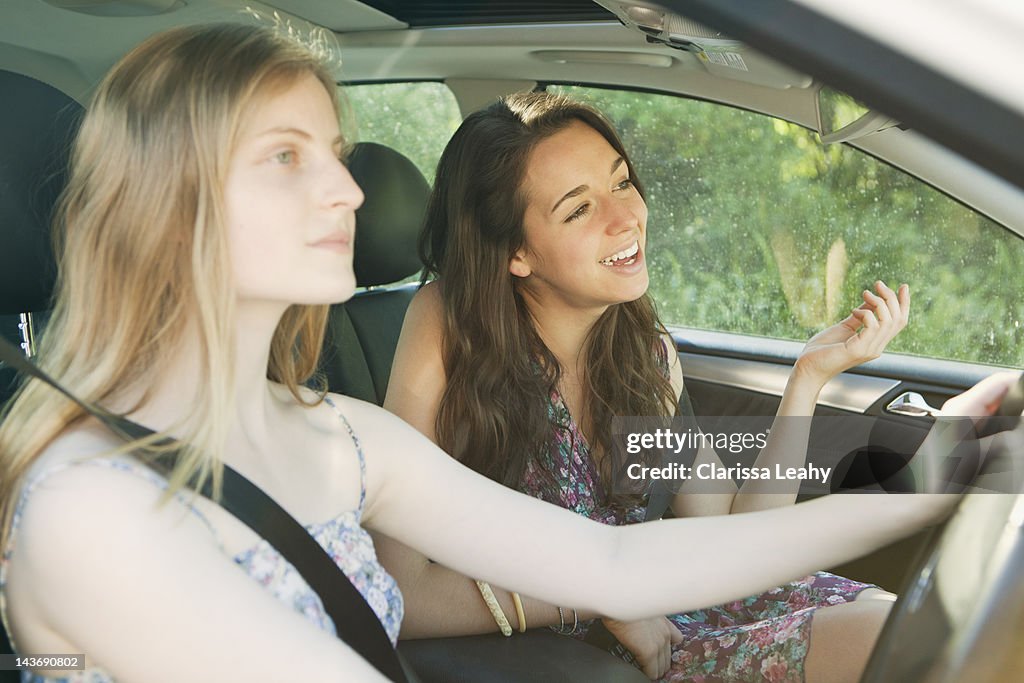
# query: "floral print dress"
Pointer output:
{"type": "Point", "coordinates": [342, 537]}
{"type": "Point", "coordinates": [761, 638]}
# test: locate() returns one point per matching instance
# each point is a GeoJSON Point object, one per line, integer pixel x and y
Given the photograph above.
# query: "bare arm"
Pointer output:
{"type": "Point", "coordinates": [418, 379]}
{"type": "Point", "coordinates": [858, 338]}
{"type": "Point", "coordinates": [439, 601]}
{"type": "Point", "coordinates": [129, 559]}
{"type": "Point", "coordinates": [420, 496]}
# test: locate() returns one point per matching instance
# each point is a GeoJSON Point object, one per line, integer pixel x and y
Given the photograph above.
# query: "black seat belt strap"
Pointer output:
{"type": "Point", "coordinates": [660, 495]}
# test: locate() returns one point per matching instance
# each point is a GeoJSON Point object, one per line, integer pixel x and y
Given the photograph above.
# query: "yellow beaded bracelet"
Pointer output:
{"type": "Point", "coordinates": [496, 612]}
{"type": "Point", "coordinates": [520, 612]}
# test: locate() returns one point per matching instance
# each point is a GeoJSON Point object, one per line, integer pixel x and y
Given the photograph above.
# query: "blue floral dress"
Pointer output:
{"type": "Point", "coordinates": [342, 537]}
{"type": "Point", "coordinates": [762, 638]}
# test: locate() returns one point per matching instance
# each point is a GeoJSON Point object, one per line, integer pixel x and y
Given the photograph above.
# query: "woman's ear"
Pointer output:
{"type": "Point", "coordinates": [518, 266]}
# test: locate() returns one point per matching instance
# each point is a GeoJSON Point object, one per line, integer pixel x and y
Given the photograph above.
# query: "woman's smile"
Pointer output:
{"type": "Point", "coordinates": [622, 260]}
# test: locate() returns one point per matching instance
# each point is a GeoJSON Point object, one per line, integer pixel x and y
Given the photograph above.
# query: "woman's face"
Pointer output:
{"type": "Point", "coordinates": [290, 202]}
{"type": "Point", "coordinates": [585, 224]}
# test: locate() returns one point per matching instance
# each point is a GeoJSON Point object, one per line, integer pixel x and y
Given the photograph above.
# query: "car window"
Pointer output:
{"type": "Point", "coordinates": [757, 228]}
{"type": "Point", "coordinates": [417, 119]}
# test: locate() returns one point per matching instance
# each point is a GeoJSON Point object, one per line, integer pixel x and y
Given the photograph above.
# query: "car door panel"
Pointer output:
{"type": "Point", "coordinates": [740, 376]}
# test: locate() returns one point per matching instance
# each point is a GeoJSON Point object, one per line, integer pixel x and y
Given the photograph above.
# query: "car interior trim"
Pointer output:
{"type": "Point", "coordinates": [951, 374]}
{"type": "Point", "coordinates": [853, 393]}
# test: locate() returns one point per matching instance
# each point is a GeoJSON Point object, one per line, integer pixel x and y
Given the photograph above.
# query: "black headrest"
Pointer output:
{"type": "Point", "coordinates": [37, 126]}
{"type": "Point", "coordinates": [389, 221]}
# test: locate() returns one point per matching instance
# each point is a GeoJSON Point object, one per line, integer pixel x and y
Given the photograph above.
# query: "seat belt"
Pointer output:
{"type": "Point", "coordinates": [354, 621]}
{"type": "Point", "coordinates": [660, 495]}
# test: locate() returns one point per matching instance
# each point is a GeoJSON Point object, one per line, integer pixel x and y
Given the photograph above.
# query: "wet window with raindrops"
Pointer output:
{"type": "Point", "coordinates": [757, 228]}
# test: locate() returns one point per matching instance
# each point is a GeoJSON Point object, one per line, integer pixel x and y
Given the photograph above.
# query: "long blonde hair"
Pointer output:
{"type": "Point", "coordinates": [142, 250]}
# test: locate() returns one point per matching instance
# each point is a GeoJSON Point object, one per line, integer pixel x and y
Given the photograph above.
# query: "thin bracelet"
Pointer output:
{"type": "Point", "coordinates": [492, 604]}
{"type": "Point", "coordinates": [561, 619]}
{"type": "Point", "coordinates": [520, 612]}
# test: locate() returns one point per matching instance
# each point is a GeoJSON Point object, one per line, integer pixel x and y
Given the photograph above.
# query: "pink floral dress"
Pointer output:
{"type": "Point", "coordinates": [760, 638]}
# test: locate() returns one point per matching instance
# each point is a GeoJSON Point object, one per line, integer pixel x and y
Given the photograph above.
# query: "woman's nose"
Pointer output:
{"type": "Point", "coordinates": [343, 189]}
{"type": "Point", "coordinates": [622, 216]}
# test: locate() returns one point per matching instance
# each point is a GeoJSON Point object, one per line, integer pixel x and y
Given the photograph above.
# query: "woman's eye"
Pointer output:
{"type": "Point", "coordinates": [625, 184]}
{"type": "Point", "coordinates": [285, 158]}
{"type": "Point", "coordinates": [578, 213]}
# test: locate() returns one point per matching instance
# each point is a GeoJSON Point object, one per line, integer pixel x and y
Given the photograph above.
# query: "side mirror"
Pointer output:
{"type": "Point", "coordinates": [841, 118]}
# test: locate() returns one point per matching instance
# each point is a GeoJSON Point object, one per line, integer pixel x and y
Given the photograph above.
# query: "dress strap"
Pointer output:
{"type": "Point", "coordinates": [359, 454]}
{"type": "Point", "coordinates": [664, 356]}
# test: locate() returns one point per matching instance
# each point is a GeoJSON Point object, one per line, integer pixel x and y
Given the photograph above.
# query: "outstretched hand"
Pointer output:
{"type": "Point", "coordinates": [861, 337]}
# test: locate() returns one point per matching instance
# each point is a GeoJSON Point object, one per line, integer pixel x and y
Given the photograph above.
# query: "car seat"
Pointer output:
{"type": "Point", "coordinates": [363, 334]}
{"type": "Point", "coordinates": [37, 125]}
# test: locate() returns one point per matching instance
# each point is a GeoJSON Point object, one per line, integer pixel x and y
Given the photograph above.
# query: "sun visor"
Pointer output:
{"type": "Point", "coordinates": [719, 54]}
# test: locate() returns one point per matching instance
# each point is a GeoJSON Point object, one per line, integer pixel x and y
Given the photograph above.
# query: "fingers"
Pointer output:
{"type": "Point", "coordinates": [658, 659]}
{"type": "Point", "coordinates": [851, 322]}
{"type": "Point", "coordinates": [903, 295]}
{"type": "Point", "coordinates": [983, 398]}
{"type": "Point", "coordinates": [897, 303]}
{"type": "Point", "coordinates": [674, 636]}
{"type": "Point", "coordinates": [664, 657]}
{"type": "Point", "coordinates": [890, 305]}
{"type": "Point", "coordinates": [866, 318]}
{"type": "Point", "coordinates": [655, 667]}
{"type": "Point", "coordinates": [881, 316]}
{"type": "Point", "coordinates": [880, 304]}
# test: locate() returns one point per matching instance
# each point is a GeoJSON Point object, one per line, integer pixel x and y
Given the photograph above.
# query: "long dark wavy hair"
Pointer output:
{"type": "Point", "coordinates": [500, 376]}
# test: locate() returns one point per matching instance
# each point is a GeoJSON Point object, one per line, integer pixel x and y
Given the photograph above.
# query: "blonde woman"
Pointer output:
{"type": "Point", "coordinates": [207, 223]}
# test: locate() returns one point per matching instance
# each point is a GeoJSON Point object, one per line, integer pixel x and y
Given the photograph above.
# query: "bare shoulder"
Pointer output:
{"type": "Point", "coordinates": [388, 442]}
{"type": "Point", "coordinates": [371, 422]}
{"type": "Point", "coordinates": [83, 512]}
{"type": "Point", "coordinates": [88, 494]}
{"type": "Point", "coordinates": [675, 367]}
{"type": "Point", "coordinates": [86, 439]}
{"type": "Point", "coordinates": [418, 377]}
{"type": "Point", "coordinates": [428, 298]}
{"type": "Point", "coordinates": [426, 311]}
{"type": "Point", "coordinates": [77, 485]}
